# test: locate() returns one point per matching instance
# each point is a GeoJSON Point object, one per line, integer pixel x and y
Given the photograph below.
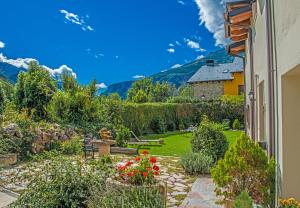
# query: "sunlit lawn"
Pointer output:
{"type": "Point", "coordinates": [178, 143]}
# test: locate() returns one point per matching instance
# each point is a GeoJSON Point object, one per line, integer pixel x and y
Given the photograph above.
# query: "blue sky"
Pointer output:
{"type": "Point", "coordinates": [109, 40]}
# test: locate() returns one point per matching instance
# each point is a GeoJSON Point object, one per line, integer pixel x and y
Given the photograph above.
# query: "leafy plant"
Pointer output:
{"type": "Point", "coordinates": [123, 136]}
{"type": "Point", "coordinates": [209, 139]}
{"type": "Point", "coordinates": [139, 172]}
{"type": "Point", "coordinates": [64, 182]}
{"type": "Point", "coordinates": [72, 146]}
{"type": "Point", "coordinates": [197, 163]}
{"type": "Point", "coordinates": [34, 90]}
{"type": "Point", "coordinates": [245, 167]}
{"type": "Point", "coordinates": [236, 124]}
{"type": "Point", "coordinates": [243, 201]}
{"type": "Point", "coordinates": [137, 197]}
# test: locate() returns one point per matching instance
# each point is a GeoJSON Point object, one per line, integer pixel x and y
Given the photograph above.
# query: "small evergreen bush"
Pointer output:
{"type": "Point", "coordinates": [245, 167]}
{"type": "Point", "coordinates": [236, 124]}
{"type": "Point", "coordinates": [197, 163]}
{"type": "Point", "coordinates": [210, 139]}
{"type": "Point", "coordinates": [243, 201]}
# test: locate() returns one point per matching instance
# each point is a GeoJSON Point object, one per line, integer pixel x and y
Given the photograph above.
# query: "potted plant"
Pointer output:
{"type": "Point", "coordinates": [289, 203]}
{"type": "Point", "coordinates": [140, 172]}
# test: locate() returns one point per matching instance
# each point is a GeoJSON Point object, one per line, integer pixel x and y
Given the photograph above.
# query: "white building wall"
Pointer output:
{"type": "Point", "coordinates": [287, 42]}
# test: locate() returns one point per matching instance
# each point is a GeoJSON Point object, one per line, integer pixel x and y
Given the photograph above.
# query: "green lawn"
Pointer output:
{"type": "Point", "coordinates": [178, 143]}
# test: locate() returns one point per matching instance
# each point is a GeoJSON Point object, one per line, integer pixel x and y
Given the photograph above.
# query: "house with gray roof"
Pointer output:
{"type": "Point", "coordinates": [214, 80]}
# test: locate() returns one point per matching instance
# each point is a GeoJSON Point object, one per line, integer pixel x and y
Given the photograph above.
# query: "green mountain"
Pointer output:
{"type": "Point", "coordinates": [177, 76]}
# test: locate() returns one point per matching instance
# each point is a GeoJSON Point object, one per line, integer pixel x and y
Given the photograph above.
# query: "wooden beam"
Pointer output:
{"type": "Point", "coordinates": [239, 37]}
{"type": "Point", "coordinates": [238, 32]}
{"type": "Point", "coordinates": [240, 17]}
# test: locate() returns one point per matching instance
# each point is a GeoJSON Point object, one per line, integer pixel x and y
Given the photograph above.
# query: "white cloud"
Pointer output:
{"type": "Point", "coordinates": [24, 63]}
{"type": "Point", "coordinates": [178, 43]}
{"type": "Point", "coordinates": [171, 50]}
{"type": "Point", "coordinates": [181, 2]}
{"type": "Point", "coordinates": [62, 69]}
{"type": "Point", "coordinates": [75, 19]}
{"type": "Point", "coordinates": [101, 86]}
{"type": "Point", "coordinates": [19, 62]}
{"type": "Point", "coordinates": [194, 45]}
{"type": "Point", "coordinates": [171, 45]}
{"type": "Point", "coordinates": [176, 66]}
{"type": "Point", "coordinates": [211, 14]}
{"type": "Point", "coordinates": [138, 77]}
{"type": "Point", "coordinates": [2, 45]}
{"type": "Point", "coordinates": [200, 57]}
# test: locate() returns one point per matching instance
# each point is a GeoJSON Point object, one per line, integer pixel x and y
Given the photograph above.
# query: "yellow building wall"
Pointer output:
{"type": "Point", "coordinates": [232, 87]}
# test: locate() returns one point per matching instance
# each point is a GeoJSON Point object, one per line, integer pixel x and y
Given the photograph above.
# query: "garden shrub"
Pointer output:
{"type": "Point", "coordinates": [72, 146]}
{"type": "Point", "coordinates": [209, 139]}
{"type": "Point", "coordinates": [64, 182]}
{"type": "Point", "coordinates": [236, 124]}
{"type": "Point", "coordinates": [140, 117]}
{"type": "Point", "coordinates": [158, 125]}
{"type": "Point", "coordinates": [243, 201]}
{"type": "Point", "coordinates": [245, 167]}
{"type": "Point", "coordinates": [123, 136]}
{"type": "Point", "coordinates": [196, 163]}
{"type": "Point", "coordinates": [134, 197]}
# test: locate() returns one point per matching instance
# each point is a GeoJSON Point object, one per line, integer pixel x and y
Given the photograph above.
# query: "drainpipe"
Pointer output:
{"type": "Point", "coordinates": [271, 72]}
{"type": "Point", "coordinates": [273, 91]}
{"type": "Point", "coordinates": [252, 84]}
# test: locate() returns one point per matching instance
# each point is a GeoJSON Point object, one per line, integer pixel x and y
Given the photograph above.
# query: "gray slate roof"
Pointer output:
{"type": "Point", "coordinates": [218, 72]}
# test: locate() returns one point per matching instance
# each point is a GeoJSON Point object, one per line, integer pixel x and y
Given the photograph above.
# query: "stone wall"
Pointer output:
{"type": "Point", "coordinates": [210, 90]}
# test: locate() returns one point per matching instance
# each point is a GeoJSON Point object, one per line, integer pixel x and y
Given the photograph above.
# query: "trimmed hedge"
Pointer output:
{"type": "Point", "coordinates": [150, 118]}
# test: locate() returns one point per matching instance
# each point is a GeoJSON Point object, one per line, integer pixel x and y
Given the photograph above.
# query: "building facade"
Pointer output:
{"type": "Point", "coordinates": [266, 34]}
{"type": "Point", "coordinates": [214, 80]}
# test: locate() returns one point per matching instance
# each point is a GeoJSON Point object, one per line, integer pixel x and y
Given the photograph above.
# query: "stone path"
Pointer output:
{"type": "Point", "coordinates": [182, 191]}
{"type": "Point", "coordinates": [202, 195]}
{"type": "Point", "coordinates": [6, 199]}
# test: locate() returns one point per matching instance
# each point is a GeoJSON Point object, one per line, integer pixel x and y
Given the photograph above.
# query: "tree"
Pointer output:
{"type": "Point", "coordinates": [1, 100]}
{"type": "Point", "coordinates": [162, 91]}
{"type": "Point", "coordinates": [20, 91]}
{"type": "Point", "coordinates": [69, 83]}
{"type": "Point", "coordinates": [34, 90]}
{"type": "Point", "coordinates": [186, 91]}
{"type": "Point", "coordinates": [141, 91]}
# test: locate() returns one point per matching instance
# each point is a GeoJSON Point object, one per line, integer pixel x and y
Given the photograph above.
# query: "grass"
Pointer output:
{"type": "Point", "coordinates": [178, 143]}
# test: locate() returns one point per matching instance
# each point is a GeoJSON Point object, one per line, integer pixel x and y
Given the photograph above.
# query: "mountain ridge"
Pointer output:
{"type": "Point", "coordinates": [177, 76]}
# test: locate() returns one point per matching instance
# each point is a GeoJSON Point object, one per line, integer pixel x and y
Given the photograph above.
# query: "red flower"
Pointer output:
{"type": "Point", "coordinates": [120, 168]}
{"type": "Point", "coordinates": [153, 159]}
{"type": "Point", "coordinates": [130, 174]}
{"type": "Point", "coordinates": [145, 152]}
{"type": "Point", "coordinates": [129, 163]}
{"type": "Point", "coordinates": [156, 173]}
{"type": "Point", "coordinates": [148, 169]}
{"type": "Point", "coordinates": [145, 174]}
{"type": "Point", "coordinates": [138, 158]}
{"type": "Point", "coordinates": [155, 167]}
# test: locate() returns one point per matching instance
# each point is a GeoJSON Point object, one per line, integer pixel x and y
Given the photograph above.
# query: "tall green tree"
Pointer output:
{"type": "Point", "coordinates": [1, 100]}
{"type": "Point", "coordinates": [20, 91]}
{"type": "Point", "coordinates": [161, 91]}
{"type": "Point", "coordinates": [141, 91]}
{"type": "Point", "coordinates": [34, 90]}
{"type": "Point", "coordinates": [69, 83]}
